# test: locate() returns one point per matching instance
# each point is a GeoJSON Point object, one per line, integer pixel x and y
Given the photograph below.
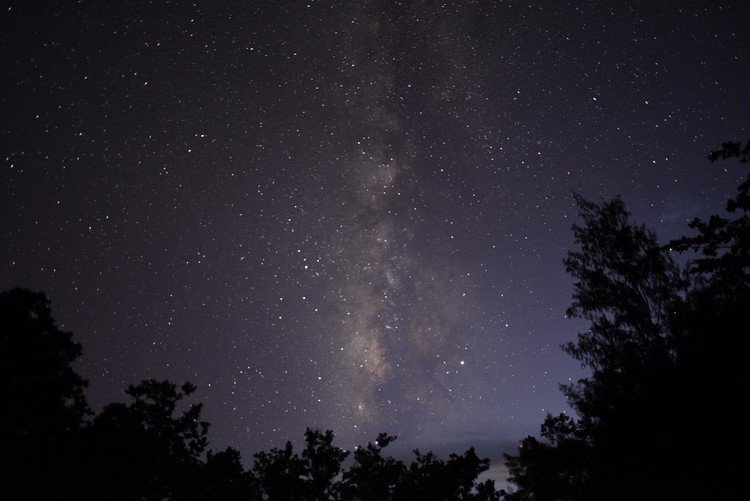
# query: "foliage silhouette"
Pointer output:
{"type": "Point", "coordinates": [222, 477]}
{"type": "Point", "coordinates": [665, 348]}
{"type": "Point", "coordinates": [155, 446]}
{"type": "Point", "coordinates": [143, 449]}
{"type": "Point", "coordinates": [44, 405]}
{"type": "Point", "coordinates": [322, 464]}
{"type": "Point", "coordinates": [279, 473]}
{"type": "Point", "coordinates": [283, 474]}
{"type": "Point", "coordinates": [372, 476]}
{"type": "Point", "coordinates": [431, 478]}
{"type": "Point", "coordinates": [723, 243]}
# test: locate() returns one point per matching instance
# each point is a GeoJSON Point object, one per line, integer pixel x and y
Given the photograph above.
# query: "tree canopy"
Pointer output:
{"type": "Point", "coordinates": [665, 347]}
{"type": "Point", "coordinates": [155, 445]}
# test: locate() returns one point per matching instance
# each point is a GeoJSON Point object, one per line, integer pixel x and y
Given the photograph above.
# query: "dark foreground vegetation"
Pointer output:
{"type": "Point", "coordinates": [658, 417]}
{"type": "Point", "coordinates": [53, 447]}
{"type": "Point", "coordinates": [667, 346]}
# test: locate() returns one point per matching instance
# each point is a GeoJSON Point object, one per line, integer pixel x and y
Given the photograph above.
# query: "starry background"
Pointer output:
{"type": "Point", "coordinates": [348, 214]}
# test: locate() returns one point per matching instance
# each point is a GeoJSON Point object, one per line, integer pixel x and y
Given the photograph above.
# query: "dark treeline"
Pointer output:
{"type": "Point", "coordinates": [53, 447]}
{"type": "Point", "coordinates": [667, 346]}
{"type": "Point", "coordinates": [657, 418]}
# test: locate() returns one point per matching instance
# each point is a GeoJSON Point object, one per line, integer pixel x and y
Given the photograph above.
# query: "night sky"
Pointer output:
{"type": "Point", "coordinates": [348, 214]}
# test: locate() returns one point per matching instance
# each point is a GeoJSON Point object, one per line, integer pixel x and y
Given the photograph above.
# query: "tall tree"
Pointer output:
{"type": "Point", "coordinates": [714, 330]}
{"type": "Point", "coordinates": [44, 404]}
{"type": "Point", "coordinates": [43, 392]}
{"type": "Point", "coordinates": [627, 287]}
{"type": "Point", "coordinates": [665, 349]}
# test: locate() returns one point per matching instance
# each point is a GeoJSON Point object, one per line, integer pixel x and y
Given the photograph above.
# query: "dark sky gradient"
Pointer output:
{"type": "Point", "coordinates": [348, 215]}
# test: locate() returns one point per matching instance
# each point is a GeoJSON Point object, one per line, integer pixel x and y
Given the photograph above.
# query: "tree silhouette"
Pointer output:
{"type": "Point", "coordinates": [145, 448]}
{"type": "Point", "coordinates": [322, 462]}
{"type": "Point", "coordinates": [43, 399]}
{"type": "Point", "coordinates": [431, 478]}
{"type": "Point", "coordinates": [372, 476]}
{"type": "Point", "coordinates": [221, 477]}
{"type": "Point", "coordinates": [713, 333]}
{"type": "Point", "coordinates": [154, 446]}
{"type": "Point", "coordinates": [283, 474]}
{"type": "Point", "coordinates": [724, 243]}
{"type": "Point", "coordinates": [553, 468]}
{"type": "Point", "coordinates": [665, 347]}
{"type": "Point", "coordinates": [279, 473]}
{"type": "Point", "coordinates": [627, 287]}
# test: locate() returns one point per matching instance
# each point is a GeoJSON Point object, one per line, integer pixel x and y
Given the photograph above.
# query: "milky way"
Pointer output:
{"type": "Point", "coordinates": [392, 311]}
{"type": "Point", "coordinates": [348, 215]}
